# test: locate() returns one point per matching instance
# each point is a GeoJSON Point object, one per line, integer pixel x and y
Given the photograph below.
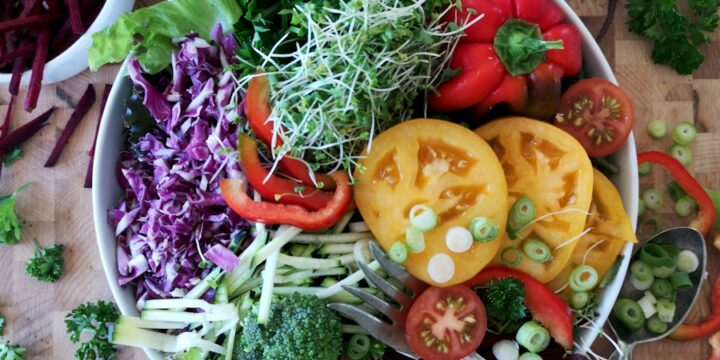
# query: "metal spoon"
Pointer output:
{"type": "Point", "coordinates": [684, 238]}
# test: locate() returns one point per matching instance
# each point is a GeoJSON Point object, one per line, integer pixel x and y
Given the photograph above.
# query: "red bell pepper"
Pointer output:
{"type": "Point", "coordinates": [525, 34]}
{"type": "Point", "coordinates": [715, 344]}
{"type": "Point", "coordinates": [544, 91]}
{"type": "Point", "coordinates": [706, 210]}
{"type": "Point", "coordinates": [545, 306]}
{"type": "Point", "coordinates": [275, 188]}
{"type": "Point", "coordinates": [257, 111]}
{"type": "Point", "coordinates": [711, 325]}
{"type": "Point", "coordinates": [234, 193]}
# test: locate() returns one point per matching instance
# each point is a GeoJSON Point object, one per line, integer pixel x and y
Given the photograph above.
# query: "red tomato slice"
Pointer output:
{"type": "Point", "coordinates": [481, 73]}
{"type": "Point", "coordinates": [598, 114]}
{"type": "Point", "coordinates": [482, 31]}
{"type": "Point", "coordinates": [446, 323]}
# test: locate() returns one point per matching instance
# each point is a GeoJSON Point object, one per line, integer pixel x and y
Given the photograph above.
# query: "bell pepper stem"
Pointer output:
{"type": "Point", "coordinates": [521, 47]}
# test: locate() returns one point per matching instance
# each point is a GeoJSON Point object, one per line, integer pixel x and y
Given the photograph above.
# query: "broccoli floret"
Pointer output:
{"type": "Point", "coordinates": [505, 300]}
{"type": "Point", "coordinates": [11, 352]}
{"type": "Point", "coordinates": [300, 327]}
{"type": "Point", "coordinates": [46, 264]}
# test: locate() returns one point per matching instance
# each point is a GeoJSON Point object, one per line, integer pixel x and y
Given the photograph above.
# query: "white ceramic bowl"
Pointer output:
{"type": "Point", "coordinates": [74, 59]}
{"type": "Point", "coordinates": [106, 192]}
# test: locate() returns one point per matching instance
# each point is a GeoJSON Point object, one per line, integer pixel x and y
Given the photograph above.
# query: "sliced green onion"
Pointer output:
{"type": "Point", "coordinates": [605, 165]}
{"type": "Point", "coordinates": [521, 213]}
{"type": "Point", "coordinates": [663, 272]}
{"type": "Point", "coordinates": [680, 280]}
{"type": "Point", "coordinates": [657, 129]}
{"type": "Point", "coordinates": [579, 299]}
{"type": "Point", "coordinates": [654, 255]}
{"type": "Point", "coordinates": [641, 207]}
{"type": "Point", "coordinates": [682, 153]}
{"type": "Point", "coordinates": [687, 261]}
{"type": "Point", "coordinates": [641, 270]}
{"type": "Point", "coordinates": [661, 288]}
{"type": "Point", "coordinates": [530, 356]}
{"type": "Point", "coordinates": [328, 282]}
{"type": "Point", "coordinates": [358, 347]}
{"type": "Point", "coordinates": [645, 168]}
{"type": "Point", "coordinates": [483, 229]}
{"type": "Point", "coordinates": [685, 206]}
{"type": "Point", "coordinates": [672, 251]}
{"type": "Point", "coordinates": [665, 310]}
{"type": "Point", "coordinates": [629, 313]}
{"type": "Point", "coordinates": [676, 191]}
{"type": "Point", "coordinates": [684, 133]}
{"type": "Point", "coordinates": [651, 219]}
{"type": "Point", "coordinates": [611, 274]}
{"type": "Point", "coordinates": [510, 256]}
{"type": "Point", "coordinates": [583, 278]}
{"type": "Point", "coordinates": [537, 250]}
{"type": "Point", "coordinates": [398, 252]}
{"type": "Point", "coordinates": [641, 285]}
{"type": "Point", "coordinates": [423, 218]}
{"type": "Point", "coordinates": [533, 337]}
{"type": "Point", "coordinates": [656, 326]}
{"type": "Point", "coordinates": [415, 240]}
{"type": "Point", "coordinates": [653, 198]}
{"type": "Point", "coordinates": [647, 306]}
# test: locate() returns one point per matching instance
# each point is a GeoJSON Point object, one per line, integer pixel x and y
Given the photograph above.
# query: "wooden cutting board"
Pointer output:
{"type": "Point", "coordinates": [56, 208]}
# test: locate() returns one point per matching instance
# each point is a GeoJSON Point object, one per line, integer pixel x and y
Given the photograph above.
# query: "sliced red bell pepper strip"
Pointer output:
{"type": "Point", "coordinates": [272, 187]}
{"type": "Point", "coordinates": [711, 325]}
{"type": "Point", "coordinates": [706, 211]}
{"type": "Point", "coordinates": [545, 306]}
{"type": "Point", "coordinates": [233, 191]}
{"type": "Point", "coordinates": [257, 111]}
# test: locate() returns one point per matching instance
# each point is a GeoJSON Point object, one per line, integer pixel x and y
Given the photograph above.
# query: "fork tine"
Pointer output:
{"type": "Point", "coordinates": [377, 303]}
{"type": "Point", "coordinates": [386, 333]}
{"type": "Point", "coordinates": [386, 287]}
{"type": "Point", "coordinates": [396, 270]}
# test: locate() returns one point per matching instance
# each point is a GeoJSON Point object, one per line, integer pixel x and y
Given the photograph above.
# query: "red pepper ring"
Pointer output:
{"type": "Point", "coordinates": [234, 193]}
{"type": "Point", "coordinates": [548, 308]}
{"type": "Point", "coordinates": [257, 111]}
{"type": "Point", "coordinates": [706, 211]}
{"type": "Point", "coordinates": [686, 332]}
{"type": "Point", "coordinates": [272, 187]}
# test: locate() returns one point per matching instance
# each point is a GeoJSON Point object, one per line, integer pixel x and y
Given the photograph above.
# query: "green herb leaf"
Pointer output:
{"type": "Point", "coordinates": [675, 35]}
{"type": "Point", "coordinates": [94, 318]}
{"type": "Point", "coordinates": [11, 352]}
{"type": "Point", "coordinates": [505, 300]}
{"type": "Point", "coordinates": [46, 263]}
{"type": "Point", "coordinates": [13, 156]}
{"type": "Point", "coordinates": [2, 324]}
{"type": "Point", "coordinates": [10, 227]}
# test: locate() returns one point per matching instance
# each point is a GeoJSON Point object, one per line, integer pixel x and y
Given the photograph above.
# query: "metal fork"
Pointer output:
{"type": "Point", "coordinates": [392, 334]}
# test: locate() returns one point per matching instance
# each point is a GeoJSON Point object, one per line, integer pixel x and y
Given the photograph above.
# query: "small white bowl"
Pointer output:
{"type": "Point", "coordinates": [106, 192]}
{"type": "Point", "coordinates": [74, 59]}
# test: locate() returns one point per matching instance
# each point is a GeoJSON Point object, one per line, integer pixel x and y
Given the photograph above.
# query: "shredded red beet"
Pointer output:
{"type": "Point", "coordinates": [17, 71]}
{"type": "Point", "coordinates": [23, 51]}
{"type": "Point", "coordinates": [91, 152]}
{"type": "Point", "coordinates": [75, 16]}
{"type": "Point", "coordinates": [30, 21]}
{"type": "Point", "coordinates": [5, 127]}
{"type": "Point", "coordinates": [21, 134]}
{"type": "Point", "coordinates": [38, 69]}
{"type": "Point", "coordinates": [81, 109]}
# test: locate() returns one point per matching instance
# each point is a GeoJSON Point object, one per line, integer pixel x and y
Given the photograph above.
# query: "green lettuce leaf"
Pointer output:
{"type": "Point", "coordinates": [149, 31]}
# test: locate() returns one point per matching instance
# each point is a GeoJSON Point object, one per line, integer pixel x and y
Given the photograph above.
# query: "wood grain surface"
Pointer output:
{"type": "Point", "coordinates": [56, 208]}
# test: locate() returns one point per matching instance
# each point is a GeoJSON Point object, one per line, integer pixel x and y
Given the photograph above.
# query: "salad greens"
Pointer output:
{"type": "Point", "coordinates": [93, 318]}
{"type": "Point", "coordinates": [333, 92]}
{"type": "Point", "coordinates": [675, 35]}
{"type": "Point", "coordinates": [46, 264]}
{"type": "Point", "coordinates": [150, 31]}
{"type": "Point", "coordinates": [10, 227]}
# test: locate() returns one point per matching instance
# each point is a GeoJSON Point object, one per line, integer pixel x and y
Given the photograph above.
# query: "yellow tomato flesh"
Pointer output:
{"type": "Point", "coordinates": [611, 230]}
{"type": "Point", "coordinates": [444, 166]}
{"type": "Point", "coordinates": [550, 167]}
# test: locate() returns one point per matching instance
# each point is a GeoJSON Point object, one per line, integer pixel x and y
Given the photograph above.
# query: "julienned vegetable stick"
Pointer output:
{"type": "Point", "coordinates": [91, 153]}
{"type": "Point", "coordinates": [75, 16]}
{"type": "Point", "coordinates": [30, 21]}
{"type": "Point", "coordinates": [38, 70]}
{"type": "Point", "coordinates": [81, 109]}
{"type": "Point", "coordinates": [17, 137]}
{"type": "Point", "coordinates": [17, 71]}
{"type": "Point", "coordinates": [5, 127]}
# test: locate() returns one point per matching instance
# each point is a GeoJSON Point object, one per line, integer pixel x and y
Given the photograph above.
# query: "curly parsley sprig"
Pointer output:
{"type": "Point", "coordinates": [10, 227]}
{"type": "Point", "coordinates": [95, 319]}
{"type": "Point", "coordinates": [46, 264]}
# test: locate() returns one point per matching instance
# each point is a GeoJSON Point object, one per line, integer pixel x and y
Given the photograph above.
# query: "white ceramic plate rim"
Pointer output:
{"type": "Point", "coordinates": [106, 192]}
{"type": "Point", "coordinates": [74, 59]}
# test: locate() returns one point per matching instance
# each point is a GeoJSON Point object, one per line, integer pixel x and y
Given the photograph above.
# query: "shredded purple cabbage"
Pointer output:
{"type": "Point", "coordinates": [223, 257]}
{"type": "Point", "coordinates": [172, 212]}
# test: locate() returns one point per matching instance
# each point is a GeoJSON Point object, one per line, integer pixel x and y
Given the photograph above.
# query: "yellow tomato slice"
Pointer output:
{"type": "Point", "coordinates": [444, 166]}
{"type": "Point", "coordinates": [611, 230]}
{"type": "Point", "coordinates": [549, 166]}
